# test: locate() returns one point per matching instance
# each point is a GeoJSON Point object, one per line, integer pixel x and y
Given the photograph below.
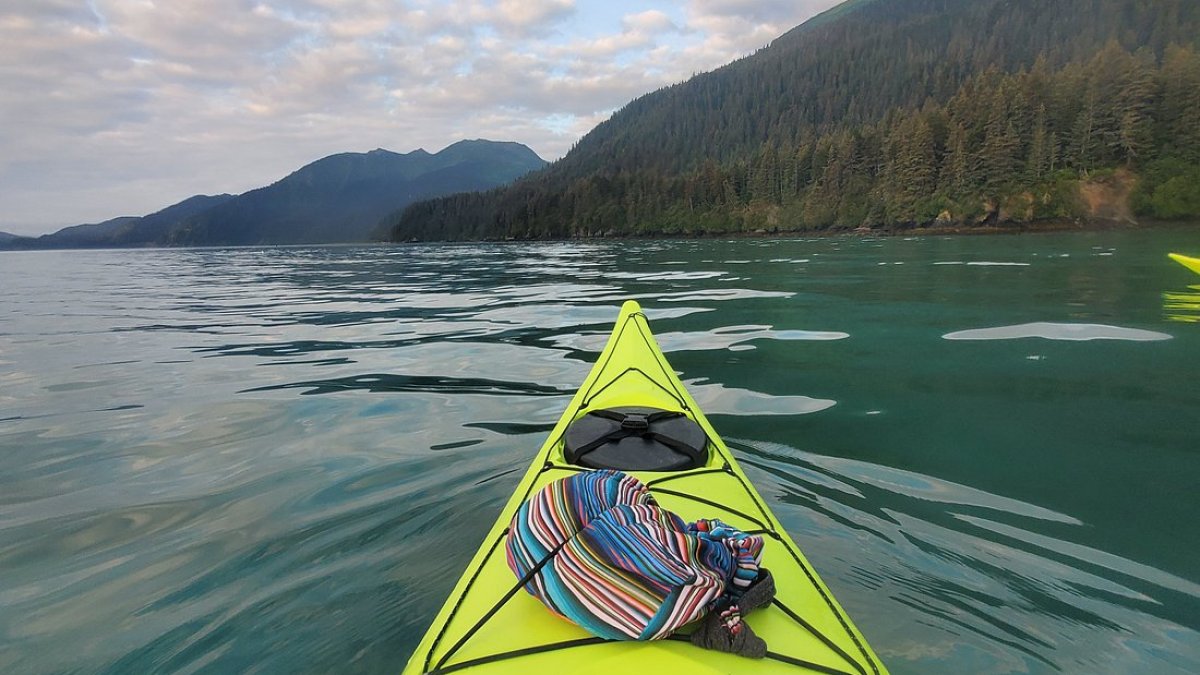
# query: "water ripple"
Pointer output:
{"type": "Point", "coordinates": [1032, 602]}
{"type": "Point", "coordinates": [390, 382]}
{"type": "Point", "coordinates": [276, 460]}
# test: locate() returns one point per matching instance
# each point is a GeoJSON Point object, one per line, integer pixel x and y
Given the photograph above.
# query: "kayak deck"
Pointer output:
{"type": "Point", "coordinates": [490, 625]}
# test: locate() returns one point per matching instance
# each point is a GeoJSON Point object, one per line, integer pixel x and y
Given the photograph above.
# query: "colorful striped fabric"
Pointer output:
{"type": "Point", "coordinates": [619, 565]}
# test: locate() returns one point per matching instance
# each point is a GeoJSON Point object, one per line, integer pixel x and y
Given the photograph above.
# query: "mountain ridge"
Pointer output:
{"type": "Point", "coordinates": [340, 198]}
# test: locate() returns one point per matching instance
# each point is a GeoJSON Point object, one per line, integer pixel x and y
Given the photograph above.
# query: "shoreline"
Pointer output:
{"type": "Point", "coordinates": [1048, 226]}
{"type": "Point", "coordinates": [1056, 225]}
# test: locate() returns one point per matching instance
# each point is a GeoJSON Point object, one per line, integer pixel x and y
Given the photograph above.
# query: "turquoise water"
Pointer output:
{"type": "Point", "coordinates": [278, 460]}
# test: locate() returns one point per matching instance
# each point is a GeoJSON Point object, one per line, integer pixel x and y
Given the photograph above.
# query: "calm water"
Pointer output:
{"type": "Point", "coordinates": [279, 460]}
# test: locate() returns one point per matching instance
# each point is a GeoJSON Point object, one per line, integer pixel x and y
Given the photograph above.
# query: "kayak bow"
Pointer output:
{"type": "Point", "coordinates": [1192, 264]}
{"type": "Point", "coordinates": [489, 625]}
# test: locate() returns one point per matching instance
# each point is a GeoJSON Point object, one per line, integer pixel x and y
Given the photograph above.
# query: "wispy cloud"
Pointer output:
{"type": "Point", "coordinates": [111, 107]}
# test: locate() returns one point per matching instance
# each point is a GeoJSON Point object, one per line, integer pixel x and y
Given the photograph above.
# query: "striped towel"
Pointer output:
{"type": "Point", "coordinates": [619, 565]}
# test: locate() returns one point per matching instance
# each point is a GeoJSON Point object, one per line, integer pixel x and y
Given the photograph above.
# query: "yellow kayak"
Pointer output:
{"type": "Point", "coordinates": [489, 625]}
{"type": "Point", "coordinates": [1192, 264]}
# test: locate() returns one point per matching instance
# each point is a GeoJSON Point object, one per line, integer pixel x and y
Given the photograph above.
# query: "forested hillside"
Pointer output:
{"type": "Point", "coordinates": [886, 114]}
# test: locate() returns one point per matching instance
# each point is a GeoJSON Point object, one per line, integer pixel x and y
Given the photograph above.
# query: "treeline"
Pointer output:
{"type": "Point", "coordinates": [887, 114]}
{"type": "Point", "coordinates": [870, 58]}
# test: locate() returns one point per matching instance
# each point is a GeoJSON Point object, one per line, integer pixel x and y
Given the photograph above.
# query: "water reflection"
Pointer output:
{"type": "Point", "coordinates": [1182, 306]}
{"type": "Point", "coordinates": [1074, 332]}
{"type": "Point", "coordinates": [716, 399]}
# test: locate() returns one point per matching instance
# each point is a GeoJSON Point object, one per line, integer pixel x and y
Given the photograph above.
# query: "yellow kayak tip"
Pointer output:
{"type": "Point", "coordinates": [1192, 264]}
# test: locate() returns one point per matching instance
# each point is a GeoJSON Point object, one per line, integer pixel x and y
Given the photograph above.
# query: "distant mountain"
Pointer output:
{"type": "Point", "coordinates": [155, 229]}
{"type": "Point", "coordinates": [341, 198]}
{"type": "Point", "coordinates": [92, 234]}
{"type": "Point", "coordinates": [125, 231]}
{"type": "Point", "coordinates": [6, 237]}
{"type": "Point", "coordinates": [883, 113]}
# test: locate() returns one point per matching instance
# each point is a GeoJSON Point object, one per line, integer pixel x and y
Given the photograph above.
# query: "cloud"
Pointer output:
{"type": "Point", "coordinates": [651, 20]}
{"type": "Point", "coordinates": [125, 106]}
{"type": "Point", "coordinates": [526, 13]}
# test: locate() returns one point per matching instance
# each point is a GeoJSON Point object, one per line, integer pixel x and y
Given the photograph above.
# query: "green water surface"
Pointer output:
{"type": "Point", "coordinates": [278, 460]}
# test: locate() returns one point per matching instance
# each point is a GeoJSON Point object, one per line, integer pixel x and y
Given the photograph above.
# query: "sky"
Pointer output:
{"type": "Point", "coordinates": [123, 107]}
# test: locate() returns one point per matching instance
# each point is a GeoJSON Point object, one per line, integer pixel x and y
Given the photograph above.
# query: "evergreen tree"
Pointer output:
{"type": "Point", "coordinates": [881, 113]}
